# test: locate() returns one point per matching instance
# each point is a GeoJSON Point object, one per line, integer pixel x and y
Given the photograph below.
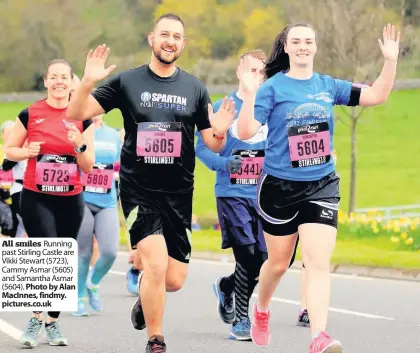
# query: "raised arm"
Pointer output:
{"type": "Point", "coordinates": [215, 138]}
{"type": "Point", "coordinates": [247, 125]}
{"type": "Point", "coordinates": [257, 102]}
{"type": "Point", "coordinates": [213, 126]}
{"type": "Point", "coordinates": [83, 105]}
{"type": "Point", "coordinates": [379, 92]}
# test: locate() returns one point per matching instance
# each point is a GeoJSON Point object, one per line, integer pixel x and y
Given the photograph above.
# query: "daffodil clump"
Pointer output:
{"type": "Point", "coordinates": [404, 232]}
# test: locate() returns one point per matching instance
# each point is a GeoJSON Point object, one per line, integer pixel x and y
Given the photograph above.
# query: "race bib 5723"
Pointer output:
{"type": "Point", "coordinates": [56, 173]}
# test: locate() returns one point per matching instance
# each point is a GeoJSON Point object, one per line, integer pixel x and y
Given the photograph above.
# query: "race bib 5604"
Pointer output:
{"type": "Point", "coordinates": [309, 145]}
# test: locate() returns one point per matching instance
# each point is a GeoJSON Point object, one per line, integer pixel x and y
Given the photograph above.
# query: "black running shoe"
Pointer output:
{"type": "Point", "coordinates": [225, 303]}
{"type": "Point", "coordinates": [137, 316]}
{"type": "Point", "coordinates": [155, 346]}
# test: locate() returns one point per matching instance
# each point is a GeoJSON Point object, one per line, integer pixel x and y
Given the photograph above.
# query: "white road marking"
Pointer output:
{"type": "Point", "coordinates": [341, 311]}
{"type": "Point", "coordinates": [10, 330]}
{"type": "Point", "coordinates": [291, 270]}
{"type": "Point", "coordinates": [294, 302]}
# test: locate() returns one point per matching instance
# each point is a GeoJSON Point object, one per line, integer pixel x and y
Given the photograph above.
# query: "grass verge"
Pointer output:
{"type": "Point", "coordinates": [369, 252]}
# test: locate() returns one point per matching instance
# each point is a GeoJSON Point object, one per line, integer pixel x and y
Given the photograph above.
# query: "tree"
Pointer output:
{"type": "Point", "coordinates": [199, 19]}
{"type": "Point", "coordinates": [261, 27]}
{"type": "Point", "coordinates": [409, 10]}
{"type": "Point", "coordinates": [347, 36]}
{"type": "Point", "coordinates": [227, 34]}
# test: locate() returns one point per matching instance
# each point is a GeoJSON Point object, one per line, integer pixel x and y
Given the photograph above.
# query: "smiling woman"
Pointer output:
{"type": "Point", "coordinates": [51, 198]}
{"type": "Point", "coordinates": [298, 193]}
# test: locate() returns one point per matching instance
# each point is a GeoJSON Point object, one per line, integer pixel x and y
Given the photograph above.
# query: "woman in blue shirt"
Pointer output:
{"type": "Point", "coordinates": [298, 189]}
{"type": "Point", "coordinates": [101, 216]}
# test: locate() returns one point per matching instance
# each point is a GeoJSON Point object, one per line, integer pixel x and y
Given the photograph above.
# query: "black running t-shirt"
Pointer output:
{"type": "Point", "coordinates": [160, 116]}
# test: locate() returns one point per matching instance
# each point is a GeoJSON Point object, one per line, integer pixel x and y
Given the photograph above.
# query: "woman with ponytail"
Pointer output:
{"type": "Point", "coordinates": [298, 189]}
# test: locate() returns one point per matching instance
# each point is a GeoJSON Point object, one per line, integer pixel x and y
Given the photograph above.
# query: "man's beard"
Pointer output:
{"type": "Point", "coordinates": [164, 61]}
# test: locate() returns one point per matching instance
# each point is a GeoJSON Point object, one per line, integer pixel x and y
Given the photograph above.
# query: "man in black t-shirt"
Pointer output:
{"type": "Point", "coordinates": [161, 105]}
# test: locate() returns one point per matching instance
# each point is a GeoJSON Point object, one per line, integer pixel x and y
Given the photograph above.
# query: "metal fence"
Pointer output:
{"type": "Point", "coordinates": [394, 212]}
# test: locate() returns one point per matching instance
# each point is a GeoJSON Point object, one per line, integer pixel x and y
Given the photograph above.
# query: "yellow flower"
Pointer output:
{"type": "Point", "coordinates": [409, 241]}
{"type": "Point", "coordinates": [405, 221]}
{"type": "Point", "coordinates": [413, 226]}
{"type": "Point", "coordinates": [372, 213]}
{"type": "Point", "coordinates": [376, 230]}
{"type": "Point", "coordinates": [366, 219]}
{"type": "Point", "coordinates": [404, 235]}
{"type": "Point", "coordinates": [395, 239]}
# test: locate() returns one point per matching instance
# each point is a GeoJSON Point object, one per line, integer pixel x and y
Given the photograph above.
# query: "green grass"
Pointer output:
{"type": "Point", "coordinates": [387, 145]}
{"type": "Point", "coordinates": [376, 252]}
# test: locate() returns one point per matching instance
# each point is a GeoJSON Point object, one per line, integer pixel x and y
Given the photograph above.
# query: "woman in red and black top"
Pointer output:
{"type": "Point", "coordinates": [58, 149]}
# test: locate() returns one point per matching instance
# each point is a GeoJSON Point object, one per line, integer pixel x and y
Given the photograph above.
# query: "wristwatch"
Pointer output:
{"type": "Point", "coordinates": [82, 148]}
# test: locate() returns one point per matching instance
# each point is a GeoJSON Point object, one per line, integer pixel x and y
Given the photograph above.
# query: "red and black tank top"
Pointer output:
{"type": "Point", "coordinates": [54, 171]}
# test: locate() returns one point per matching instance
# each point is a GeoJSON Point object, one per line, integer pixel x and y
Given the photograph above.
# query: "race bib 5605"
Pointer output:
{"type": "Point", "coordinates": [159, 143]}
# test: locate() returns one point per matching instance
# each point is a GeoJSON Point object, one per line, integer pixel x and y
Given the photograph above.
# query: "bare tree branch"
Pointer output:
{"type": "Point", "coordinates": [338, 118]}
{"type": "Point", "coordinates": [360, 113]}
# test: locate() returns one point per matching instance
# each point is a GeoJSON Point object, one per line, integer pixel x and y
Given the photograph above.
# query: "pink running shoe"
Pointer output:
{"type": "Point", "coordinates": [325, 344]}
{"type": "Point", "coordinates": [260, 333]}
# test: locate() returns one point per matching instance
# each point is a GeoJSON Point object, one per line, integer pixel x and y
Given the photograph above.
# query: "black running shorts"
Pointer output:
{"type": "Point", "coordinates": [284, 204]}
{"type": "Point", "coordinates": [160, 213]}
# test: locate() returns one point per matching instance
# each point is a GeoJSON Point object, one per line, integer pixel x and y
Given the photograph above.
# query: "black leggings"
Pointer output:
{"type": "Point", "coordinates": [51, 216]}
{"type": "Point", "coordinates": [15, 207]}
{"type": "Point", "coordinates": [249, 260]}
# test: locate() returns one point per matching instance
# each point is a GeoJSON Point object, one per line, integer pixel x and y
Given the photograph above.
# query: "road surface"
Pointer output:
{"type": "Point", "coordinates": [367, 315]}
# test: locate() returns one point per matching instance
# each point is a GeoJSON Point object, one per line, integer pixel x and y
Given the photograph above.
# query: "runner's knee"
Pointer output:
{"type": "Point", "coordinates": [279, 264]}
{"type": "Point", "coordinates": [316, 263]}
{"type": "Point", "coordinates": [317, 246]}
{"type": "Point", "coordinates": [155, 268]}
{"type": "Point", "coordinates": [108, 255]}
{"type": "Point", "coordinates": [174, 284]}
{"type": "Point", "coordinates": [249, 258]}
{"type": "Point", "coordinates": [176, 275]}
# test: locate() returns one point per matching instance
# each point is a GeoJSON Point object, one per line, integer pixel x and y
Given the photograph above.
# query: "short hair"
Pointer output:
{"type": "Point", "coordinates": [256, 53]}
{"type": "Point", "coordinates": [169, 16]}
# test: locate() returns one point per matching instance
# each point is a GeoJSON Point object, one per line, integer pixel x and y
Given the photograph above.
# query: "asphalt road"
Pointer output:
{"type": "Point", "coordinates": [367, 315]}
